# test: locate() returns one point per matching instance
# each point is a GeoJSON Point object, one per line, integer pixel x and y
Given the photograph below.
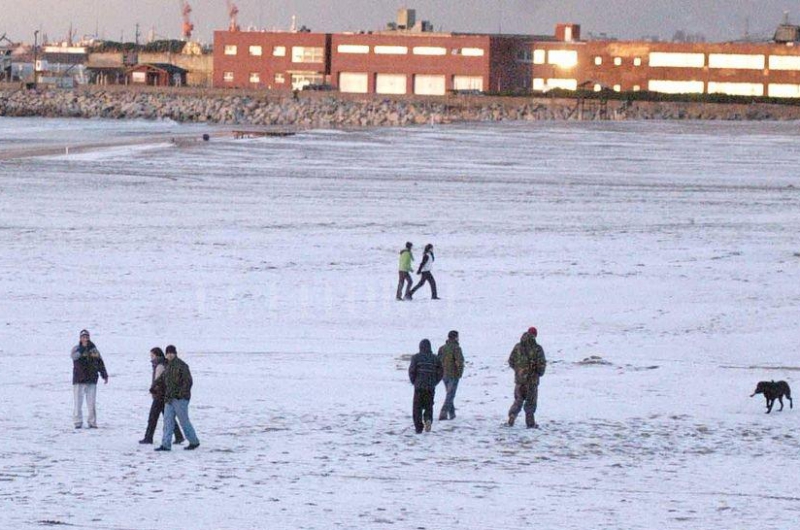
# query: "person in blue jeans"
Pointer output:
{"type": "Point", "coordinates": [178, 381]}
{"type": "Point", "coordinates": [452, 359]}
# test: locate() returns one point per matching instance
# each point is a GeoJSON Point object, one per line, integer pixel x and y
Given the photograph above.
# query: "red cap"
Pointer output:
{"type": "Point", "coordinates": [532, 331]}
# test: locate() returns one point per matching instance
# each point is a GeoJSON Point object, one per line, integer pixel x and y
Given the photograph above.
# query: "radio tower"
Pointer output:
{"type": "Point", "coordinates": [186, 10]}
{"type": "Point", "coordinates": [233, 11]}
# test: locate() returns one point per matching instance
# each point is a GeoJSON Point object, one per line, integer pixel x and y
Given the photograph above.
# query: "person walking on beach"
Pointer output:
{"type": "Point", "coordinates": [425, 270]}
{"type": "Point", "coordinates": [425, 372]}
{"type": "Point", "coordinates": [178, 392]}
{"type": "Point", "coordinates": [87, 363]}
{"type": "Point", "coordinates": [528, 362]}
{"type": "Point", "coordinates": [405, 272]}
{"type": "Point", "coordinates": [158, 390]}
{"type": "Point", "coordinates": [452, 360]}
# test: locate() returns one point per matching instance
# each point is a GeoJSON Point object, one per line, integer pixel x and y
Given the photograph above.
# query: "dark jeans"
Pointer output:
{"type": "Point", "coordinates": [449, 409]}
{"type": "Point", "coordinates": [156, 410]}
{"type": "Point", "coordinates": [423, 407]}
{"type": "Point", "coordinates": [404, 277]}
{"type": "Point", "coordinates": [426, 277]}
{"type": "Point", "coordinates": [527, 395]}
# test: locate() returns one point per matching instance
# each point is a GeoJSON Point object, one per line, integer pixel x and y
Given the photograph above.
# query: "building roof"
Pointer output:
{"type": "Point", "coordinates": [165, 67]}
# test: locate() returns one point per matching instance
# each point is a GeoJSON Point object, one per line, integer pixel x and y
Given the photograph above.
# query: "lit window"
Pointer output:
{"type": "Point", "coordinates": [538, 84]}
{"type": "Point", "coordinates": [391, 50]}
{"type": "Point", "coordinates": [227, 77]}
{"type": "Point", "coordinates": [676, 87]}
{"type": "Point", "coordinates": [307, 54]}
{"type": "Point", "coordinates": [279, 51]}
{"type": "Point", "coordinates": [472, 52]}
{"type": "Point", "coordinates": [617, 88]}
{"type": "Point", "coordinates": [563, 58]}
{"type": "Point", "coordinates": [564, 84]}
{"type": "Point", "coordinates": [677, 60]}
{"type": "Point", "coordinates": [230, 49]}
{"type": "Point", "coordinates": [637, 61]}
{"type": "Point", "coordinates": [783, 91]}
{"type": "Point", "coordinates": [279, 78]}
{"type": "Point", "coordinates": [736, 89]}
{"type": "Point", "coordinates": [597, 87]}
{"type": "Point", "coordinates": [539, 56]}
{"type": "Point", "coordinates": [636, 88]}
{"type": "Point", "coordinates": [255, 51]}
{"type": "Point", "coordinates": [784, 62]}
{"type": "Point", "coordinates": [429, 50]}
{"type": "Point", "coordinates": [255, 77]}
{"type": "Point", "coordinates": [352, 48]}
{"type": "Point", "coordinates": [301, 80]}
{"type": "Point", "coordinates": [598, 61]}
{"type": "Point", "coordinates": [737, 61]}
{"type": "Point", "coordinates": [617, 61]}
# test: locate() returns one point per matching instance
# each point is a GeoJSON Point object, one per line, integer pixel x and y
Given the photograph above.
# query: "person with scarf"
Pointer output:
{"type": "Point", "coordinates": [87, 363]}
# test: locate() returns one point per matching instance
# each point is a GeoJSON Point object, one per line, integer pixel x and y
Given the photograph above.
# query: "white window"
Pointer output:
{"type": "Point", "coordinates": [564, 84]}
{"type": "Point", "coordinates": [598, 61]}
{"type": "Point", "coordinates": [617, 88]}
{"type": "Point", "coordinates": [280, 78]}
{"type": "Point", "coordinates": [391, 83]}
{"type": "Point", "coordinates": [778, 90]}
{"type": "Point", "coordinates": [597, 87]}
{"type": "Point", "coordinates": [472, 52]}
{"type": "Point", "coordinates": [784, 62]}
{"type": "Point", "coordinates": [637, 61]}
{"type": "Point", "coordinates": [391, 50]}
{"type": "Point", "coordinates": [736, 89]}
{"type": "Point", "coordinates": [307, 54]}
{"type": "Point", "coordinates": [676, 87]}
{"type": "Point", "coordinates": [468, 82]}
{"type": "Point", "coordinates": [429, 50]}
{"type": "Point", "coordinates": [353, 82]}
{"type": "Point", "coordinates": [227, 77]}
{"type": "Point", "coordinates": [538, 84]}
{"type": "Point", "coordinates": [539, 56]}
{"type": "Point", "coordinates": [731, 60]}
{"type": "Point", "coordinates": [255, 51]}
{"type": "Point", "coordinates": [636, 88]}
{"type": "Point", "coordinates": [677, 60]}
{"type": "Point", "coordinates": [230, 49]}
{"type": "Point", "coordinates": [255, 77]}
{"type": "Point", "coordinates": [139, 77]}
{"type": "Point", "coordinates": [279, 51]}
{"type": "Point", "coordinates": [352, 48]}
{"type": "Point", "coordinates": [429, 85]}
{"type": "Point", "coordinates": [303, 79]}
{"type": "Point", "coordinates": [617, 61]}
{"type": "Point", "coordinates": [562, 58]}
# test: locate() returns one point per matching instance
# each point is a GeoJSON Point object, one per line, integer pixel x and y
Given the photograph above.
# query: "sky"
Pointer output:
{"type": "Point", "coordinates": [717, 20]}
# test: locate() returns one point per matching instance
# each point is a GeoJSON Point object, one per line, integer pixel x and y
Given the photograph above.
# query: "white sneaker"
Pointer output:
{"type": "Point", "coordinates": [428, 424]}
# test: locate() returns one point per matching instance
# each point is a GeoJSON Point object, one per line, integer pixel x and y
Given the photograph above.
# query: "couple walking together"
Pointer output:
{"type": "Point", "coordinates": [424, 269]}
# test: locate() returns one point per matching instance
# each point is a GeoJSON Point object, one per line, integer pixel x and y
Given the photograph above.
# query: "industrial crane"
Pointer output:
{"type": "Point", "coordinates": [186, 10]}
{"type": "Point", "coordinates": [232, 12]}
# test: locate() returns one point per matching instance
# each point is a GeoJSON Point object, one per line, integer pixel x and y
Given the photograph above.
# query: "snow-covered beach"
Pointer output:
{"type": "Point", "coordinates": [669, 250]}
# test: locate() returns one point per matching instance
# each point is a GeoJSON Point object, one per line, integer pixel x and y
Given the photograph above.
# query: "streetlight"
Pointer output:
{"type": "Point", "coordinates": [35, 56]}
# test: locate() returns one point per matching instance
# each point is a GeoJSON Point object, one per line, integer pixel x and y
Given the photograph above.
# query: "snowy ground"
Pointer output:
{"type": "Point", "coordinates": [668, 249]}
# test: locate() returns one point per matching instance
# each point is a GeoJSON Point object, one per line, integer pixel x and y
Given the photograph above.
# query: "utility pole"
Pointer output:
{"type": "Point", "coordinates": [35, 57]}
{"type": "Point", "coordinates": [137, 35]}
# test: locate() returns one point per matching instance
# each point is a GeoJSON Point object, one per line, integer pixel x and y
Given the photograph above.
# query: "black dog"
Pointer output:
{"type": "Point", "coordinates": [773, 391]}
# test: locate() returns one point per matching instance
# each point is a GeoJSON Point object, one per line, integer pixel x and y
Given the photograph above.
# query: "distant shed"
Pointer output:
{"type": "Point", "coordinates": [156, 74]}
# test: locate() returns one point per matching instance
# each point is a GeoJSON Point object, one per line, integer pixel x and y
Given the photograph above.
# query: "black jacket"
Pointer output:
{"type": "Point", "coordinates": [425, 370]}
{"type": "Point", "coordinates": [178, 380]}
{"type": "Point", "coordinates": [87, 364]}
{"type": "Point", "coordinates": [158, 388]}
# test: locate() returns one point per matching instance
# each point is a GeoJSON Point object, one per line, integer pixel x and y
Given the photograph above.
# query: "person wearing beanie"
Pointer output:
{"type": "Point", "coordinates": [528, 362]}
{"type": "Point", "coordinates": [177, 393]}
{"type": "Point", "coordinates": [87, 363]}
{"type": "Point", "coordinates": [425, 270]}
{"type": "Point", "coordinates": [404, 272]}
{"type": "Point", "coordinates": [158, 389]}
{"type": "Point", "coordinates": [425, 372]}
{"type": "Point", "coordinates": [452, 360]}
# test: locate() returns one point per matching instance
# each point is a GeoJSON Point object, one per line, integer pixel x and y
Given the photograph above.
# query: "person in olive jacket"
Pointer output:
{"type": "Point", "coordinates": [87, 363]}
{"type": "Point", "coordinates": [425, 372]}
{"type": "Point", "coordinates": [157, 390]}
{"type": "Point", "coordinates": [529, 363]}
{"type": "Point", "coordinates": [453, 364]}
{"type": "Point", "coordinates": [178, 392]}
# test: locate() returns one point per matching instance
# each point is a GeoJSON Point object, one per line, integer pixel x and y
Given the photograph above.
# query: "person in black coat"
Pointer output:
{"type": "Point", "coordinates": [425, 372]}
{"type": "Point", "coordinates": [87, 364]}
{"type": "Point", "coordinates": [424, 269]}
{"type": "Point", "coordinates": [158, 390]}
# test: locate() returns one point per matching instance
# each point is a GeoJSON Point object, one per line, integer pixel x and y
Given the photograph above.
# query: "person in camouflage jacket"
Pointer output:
{"type": "Point", "coordinates": [177, 393]}
{"type": "Point", "coordinates": [453, 364]}
{"type": "Point", "coordinates": [528, 362]}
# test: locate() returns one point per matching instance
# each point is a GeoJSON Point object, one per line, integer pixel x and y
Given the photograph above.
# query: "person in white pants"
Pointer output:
{"type": "Point", "coordinates": [87, 363]}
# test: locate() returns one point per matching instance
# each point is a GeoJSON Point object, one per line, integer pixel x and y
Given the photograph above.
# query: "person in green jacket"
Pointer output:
{"type": "Point", "coordinates": [528, 362]}
{"type": "Point", "coordinates": [405, 269]}
{"type": "Point", "coordinates": [453, 363]}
